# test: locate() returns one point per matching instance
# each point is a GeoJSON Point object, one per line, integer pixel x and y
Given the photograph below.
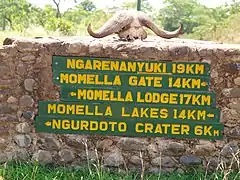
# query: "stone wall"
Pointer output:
{"type": "Point", "coordinates": [26, 78]}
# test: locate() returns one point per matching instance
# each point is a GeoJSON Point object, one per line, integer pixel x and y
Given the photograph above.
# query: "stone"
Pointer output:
{"type": "Point", "coordinates": [180, 171]}
{"type": "Point", "coordinates": [153, 150]}
{"type": "Point", "coordinates": [28, 84]}
{"type": "Point", "coordinates": [230, 149]}
{"type": "Point", "coordinates": [172, 148]}
{"type": "Point", "coordinates": [104, 144]}
{"type": "Point", "coordinates": [157, 170]}
{"type": "Point", "coordinates": [237, 81]}
{"type": "Point", "coordinates": [115, 159]}
{"type": "Point", "coordinates": [235, 132]}
{"type": "Point", "coordinates": [3, 157]}
{"type": "Point", "coordinates": [19, 154]}
{"type": "Point", "coordinates": [228, 115]}
{"type": "Point", "coordinates": [207, 149]}
{"type": "Point", "coordinates": [235, 106]}
{"type": "Point", "coordinates": [8, 84]}
{"type": "Point", "coordinates": [66, 156]}
{"type": "Point", "coordinates": [22, 70]}
{"type": "Point", "coordinates": [77, 47]}
{"type": "Point", "coordinates": [14, 107]}
{"type": "Point", "coordinates": [232, 92]}
{"type": "Point", "coordinates": [214, 74]}
{"type": "Point", "coordinates": [43, 157]}
{"type": "Point", "coordinates": [165, 161]}
{"type": "Point", "coordinates": [3, 144]}
{"type": "Point", "coordinates": [12, 100]}
{"type": "Point", "coordinates": [75, 141]}
{"type": "Point", "coordinates": [26, 101]}
{"type": "Point", "coordinates": [1, 97]}
{"type": "Point", "coordinates": [28, 57]}
{"type": "Point", "coordinates": [91, 156]}
{"type": "Point", "coordinates": [26, 46]}
{"type": "Point", "coordinates": [132, 144]}
{"type": "Point", "coordinates": [235, 92]}
{"type": "Point", "coordinates": [23, 128]}
{"type": "Point", "coordinates": [212, 163]}
{"type": "Point", "coordinates": [9, 118]}
{"type": "Point", "coordinates": [136, 160]}
{"type": "Point", "coordinates": [50, 143]}
{"type": "Point", "coordinates": [6, 109]}
{"type": "Point", "coordinates": [190, 160]}
{"type": "Point", "coordinates": [28, 114]}
{"type": "Point", "coordinates": [95, 47]}
{"type": "Point", "coordinates": [23, 140]}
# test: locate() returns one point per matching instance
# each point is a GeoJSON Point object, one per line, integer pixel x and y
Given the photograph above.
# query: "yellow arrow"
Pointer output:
{"type": "Point", "coordinates": [210, 115]}
{"type": "Point", "coordinates": [48, 123]}
{"type": "Point", "coordinates": [203, 83]}
{"type": "Point", "coordinates": [73, 94]}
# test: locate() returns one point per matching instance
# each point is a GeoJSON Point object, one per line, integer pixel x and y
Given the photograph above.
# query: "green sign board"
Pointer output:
{"type": "Point", "coordinates": [104, 65]}
{"type": "Point", "coordinates": [131, 98]}
{"type": "Point", "coordinates": [118, 110]}
{"type": "Point", "coordinates": [138, 95]}
{"type": "Point", "coordinates": [125, 81]}
{"type": "Point", "coordinates": [171, 129]}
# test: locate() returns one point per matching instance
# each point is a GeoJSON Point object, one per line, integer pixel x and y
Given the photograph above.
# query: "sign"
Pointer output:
{"type": "Point", "coordinates": [167, 97]}
{"type": "Point", "coordinates": [129, 111]}
{"type": "Point", "coordinates": [101, 65]}
{"type": "Point", "coordinates": [131, 98]}
{"type": "Point", "coordinates": [125, 81]}
{"type": "Point", "coordinates": [171, 129]}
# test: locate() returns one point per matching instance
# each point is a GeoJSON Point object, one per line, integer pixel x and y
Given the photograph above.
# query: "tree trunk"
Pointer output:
{"type": "Point", "coordinates": [3, 24]}
{"type": "Point", "coordinates": [58, 13]}
{"type": "Point", "coordinates": [139, 5]}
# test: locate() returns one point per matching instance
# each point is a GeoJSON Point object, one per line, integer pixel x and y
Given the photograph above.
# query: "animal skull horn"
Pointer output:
{"type": "Point", "coordinates": [113, 25]}
{"type": "Point", "coordinates": [129, 25]}
{"type": "Point", "coordinates": [145, 21]}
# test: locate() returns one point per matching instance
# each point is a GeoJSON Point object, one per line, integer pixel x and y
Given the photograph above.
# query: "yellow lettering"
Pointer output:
{"type": "Point", "coordinates": [112, 125]}
{"type": "Point", "coordinates": [185, 129]}
{"type": "Point", "coordinates": [163, 113]}
{"type": "Point", "coordinates": [56, 124]}
{"type": "Point", "coordinates": [71, 63]}
{"type": "Point", "coordinates": [137, 127]}
{"type": "Point", "coordinates": [65, 124]}
{"type": "Point", "coordinates": [198, 130]}
{"type": "Point", "coordinates": [51, 108]}
{"type": "Point", "coordinates": [148, 127]}
{"type": "Point", "coordinates": [124, 114]}
{"type": "Point", "coordinates": [175, 128]}
{"type": "Point", "coordinates": [84, 125]}
{"type": "Point", "coordinates": [122, 127]}
{"type": "Point", "coordinates": [97, 65]}
{"type": "Point", "coordinates": [93, 126]}
{"type": "Point", "coordinates": [199, 69]}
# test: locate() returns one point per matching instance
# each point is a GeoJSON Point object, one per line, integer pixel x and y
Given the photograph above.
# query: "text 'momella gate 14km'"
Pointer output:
{"type": "Point", "coordinates": [131, 98]}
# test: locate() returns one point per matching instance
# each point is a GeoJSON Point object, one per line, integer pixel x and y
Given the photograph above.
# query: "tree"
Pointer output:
{"type": "Point", "coordinates": [57, 3]}
{"type": "Point", "coordinates": [186, 12]}
{"type": "Point", "coordinates": [88, 5]}
{"type": "Point", "coordinates": [15, 14]}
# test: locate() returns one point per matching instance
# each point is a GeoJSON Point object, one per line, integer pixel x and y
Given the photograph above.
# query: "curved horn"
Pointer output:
{"type": "Point", "coordinates": [145, 21]}
{"type": "Point", "coordinates": [113, 25]}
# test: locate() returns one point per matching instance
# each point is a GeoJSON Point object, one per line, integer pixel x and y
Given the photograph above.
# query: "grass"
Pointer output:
{"type": "Point", "coordinates": [30, 171]}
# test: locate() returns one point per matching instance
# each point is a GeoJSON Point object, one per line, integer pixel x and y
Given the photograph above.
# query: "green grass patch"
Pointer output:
{"type": "Point", "coordinates": [30, 171]}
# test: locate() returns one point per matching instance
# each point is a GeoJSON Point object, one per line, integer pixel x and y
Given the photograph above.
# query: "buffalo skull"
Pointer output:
{"type": "Point", "coordinates": [129, 26]}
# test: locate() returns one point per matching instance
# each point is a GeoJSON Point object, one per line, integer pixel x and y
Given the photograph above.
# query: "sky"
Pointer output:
{"type": "Point", "coordinates": [65, 4]}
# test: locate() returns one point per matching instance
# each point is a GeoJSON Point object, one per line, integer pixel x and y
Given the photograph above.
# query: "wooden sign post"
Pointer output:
{"type": "Point", "coordinates": [131, 98]}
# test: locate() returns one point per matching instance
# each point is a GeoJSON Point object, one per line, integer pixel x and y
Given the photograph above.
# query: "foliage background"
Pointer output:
{"type": "Point", "coordinates": [21, 18]}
